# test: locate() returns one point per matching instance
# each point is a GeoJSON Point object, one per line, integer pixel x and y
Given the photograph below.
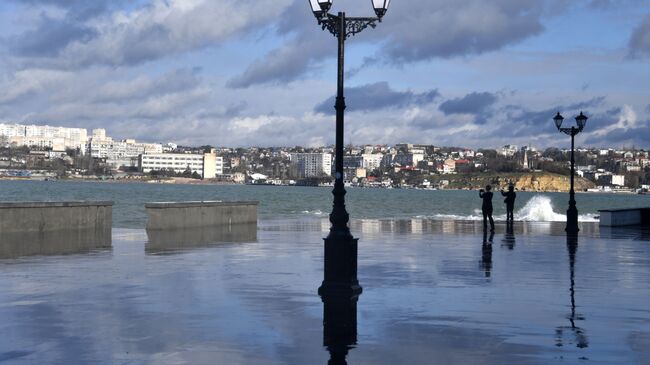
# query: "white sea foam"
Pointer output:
{"type": "Point", "coordinates": [317, 212]}
{"type": "Point", "coordinates": [537, 209]}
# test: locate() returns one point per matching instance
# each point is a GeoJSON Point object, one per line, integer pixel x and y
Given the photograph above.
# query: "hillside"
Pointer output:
{"type": "Point", "coordinates": [534, 181]}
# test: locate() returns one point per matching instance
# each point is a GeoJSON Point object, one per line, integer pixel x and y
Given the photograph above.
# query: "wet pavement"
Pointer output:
{"type": "Point", "coordinates": [435, 292]}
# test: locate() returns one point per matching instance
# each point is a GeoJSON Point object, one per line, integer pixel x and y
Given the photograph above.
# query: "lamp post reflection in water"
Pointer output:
{"type": "Point", "coordinates": [339, 327]}
{"type": "Point", "coordinates": [579, 335]}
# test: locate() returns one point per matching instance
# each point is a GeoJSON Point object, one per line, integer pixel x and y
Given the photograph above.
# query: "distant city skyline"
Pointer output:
{"type": "Point", "coordinates": [240, 73]}
{"type": "Point", "coordinates": [50, 135]}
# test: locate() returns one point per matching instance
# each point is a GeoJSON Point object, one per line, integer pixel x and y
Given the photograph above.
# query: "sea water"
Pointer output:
{"type": "Point", "coordinates": [287, 202]}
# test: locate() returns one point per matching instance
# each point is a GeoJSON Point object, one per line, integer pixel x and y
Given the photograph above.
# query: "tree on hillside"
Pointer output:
{"type": "Point", "coordinates": [187, 172]}
{"type": "Point", "coordinates": [488, 153]}
{"type": "Point", "coordinates": [556, 154]}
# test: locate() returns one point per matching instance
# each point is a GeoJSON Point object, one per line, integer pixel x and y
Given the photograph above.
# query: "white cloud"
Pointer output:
{"type": "Point", "coordinates": [627, 119]}
{"type": "Point", "coordinates": [125, 76]}
{"type": "Point", "coordinates": [413, 31]}
{"type": "Point", "coordinates": [28, 82]}
{"type": "Point", "coordinates": [158, 30]}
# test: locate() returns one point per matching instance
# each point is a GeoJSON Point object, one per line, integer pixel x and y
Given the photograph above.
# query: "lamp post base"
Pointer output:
{"type": "Point", "coordinates": [572, 220]}
{"type": "Point", "coordinates": [340, 267]}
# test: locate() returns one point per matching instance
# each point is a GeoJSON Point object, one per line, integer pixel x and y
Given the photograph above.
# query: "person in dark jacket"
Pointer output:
{"type": "Point", "coordinates": [487, 208]}
{"type": "Point", "coordinates": [510, 203]}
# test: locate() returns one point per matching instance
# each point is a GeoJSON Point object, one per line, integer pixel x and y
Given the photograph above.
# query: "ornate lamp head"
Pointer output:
{"type": "Point", "coordinates": [320, 7]}
{"type": "Point", "coordinates": [581, 120]}
{"type": "Point", "coordinates": [558, 119]}
{"type": "Point", "coordinates": [381, 7]}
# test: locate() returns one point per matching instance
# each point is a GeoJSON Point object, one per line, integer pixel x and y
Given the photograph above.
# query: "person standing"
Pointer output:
{"type": "Point", "coordinates": [487, 208]}
{"type": "Point", "coordinates": [510, 203]}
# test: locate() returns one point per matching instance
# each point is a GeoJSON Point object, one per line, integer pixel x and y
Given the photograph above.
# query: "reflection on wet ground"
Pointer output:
{"type": "Point", "coordinates": [15, 245]}
{"type": "Point", "coordinates": [174, 240]}
{"type": "Point", "coordinates": [533, 298]}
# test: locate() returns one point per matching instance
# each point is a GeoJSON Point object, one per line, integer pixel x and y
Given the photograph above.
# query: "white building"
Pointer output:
{"type": "Point", "coordinates": [312, 164]}
{"type": "Point", "coordinates": [119, 153]}
{"type": "Point", "coordinates": [57, 138]}
{"type": "Point", "coordinates": [412, 158]}
{"type": "Point", "coordinates": [508, 150]}
{"type": "Point", "coordinates": [372, 161]}
{"type": "Point", "coordinates": [208, 165]}
{"type": "Point", "coordinates": [449, 167]}
{"type": "Point", "coordinates": [609, 179]}
{"type": "Point", "coordinates": [169, 147]}
{"type": "Point", "coordinates": [467, 154]}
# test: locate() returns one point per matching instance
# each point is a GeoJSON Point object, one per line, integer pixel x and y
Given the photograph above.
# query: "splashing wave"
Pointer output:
{"type": "Point", "coordinates": [537, 209]}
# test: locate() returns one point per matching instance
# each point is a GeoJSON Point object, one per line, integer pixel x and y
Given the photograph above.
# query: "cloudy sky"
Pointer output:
{"type": "Point", "coordinates": [474, 73]}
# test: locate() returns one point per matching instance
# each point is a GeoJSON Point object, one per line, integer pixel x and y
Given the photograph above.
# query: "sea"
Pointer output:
{"type": "Point", "coordinates": [292, 202]}
{"type": "Point", "coordinates": [434, 288]}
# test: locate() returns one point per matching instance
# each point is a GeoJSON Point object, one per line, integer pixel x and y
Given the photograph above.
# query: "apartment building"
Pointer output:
{"type": "Point", "coordinates": [208, 165]}
{"type": "Point", "coordinates": [372, 161]}
{"type": "Point", "coordinates": [57, 138]}
{"type": "Point", "coordinates": [119, 153]}
{"type": "Point", "coordinates": [312, 164]}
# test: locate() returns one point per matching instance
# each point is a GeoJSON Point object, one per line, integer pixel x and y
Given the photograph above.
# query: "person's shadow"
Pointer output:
{"type": "Point", "coordinates": [339, 327]}
{"type": "Point", "coordinates": [579, 335]}
{"type": "Point", "coordinates": [486, 253]}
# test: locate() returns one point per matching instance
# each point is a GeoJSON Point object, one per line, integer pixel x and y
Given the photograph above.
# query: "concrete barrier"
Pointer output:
{"type": "Point", "coordinates": [625, 217]}
{"type": "Point", "coordinates": [54, 228]}
{"type": "Point", "coordinates": [184, 215]}
{"type": "Point", "coordinates": [43, 217]}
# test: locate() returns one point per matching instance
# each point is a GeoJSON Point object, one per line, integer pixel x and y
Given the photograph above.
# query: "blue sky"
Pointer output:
{"type": "Point", "coordinates": [470, 73]}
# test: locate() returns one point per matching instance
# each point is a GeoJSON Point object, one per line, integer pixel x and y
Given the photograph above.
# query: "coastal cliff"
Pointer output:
{"type": "Point", "coordinates": [542, 181]}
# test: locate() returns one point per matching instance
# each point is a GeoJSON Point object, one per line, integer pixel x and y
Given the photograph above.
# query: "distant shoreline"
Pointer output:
{"type": "Point", "coordinates": [189, 181]}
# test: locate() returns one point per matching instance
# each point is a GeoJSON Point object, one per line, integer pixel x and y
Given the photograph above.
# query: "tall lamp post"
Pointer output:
{"type": "Point", "coordinates": [340, 277]}
{"type": "Point", "coordinates": [572, 212]}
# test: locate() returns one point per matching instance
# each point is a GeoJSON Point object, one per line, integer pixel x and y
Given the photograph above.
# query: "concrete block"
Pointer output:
{"type": "Point", "coordinates": [184, 215]}
{"type": "Point", "coordinates": [44, 217]}
{"type": "Point", "coordinates": [54, 228]}
{"type": "Point", "coordinates": [622, 217]}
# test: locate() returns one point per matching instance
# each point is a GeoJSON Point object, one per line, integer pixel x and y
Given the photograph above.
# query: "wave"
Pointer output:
{"type": "Point", "coordinates": [316, 212]}
{"type": "Point", "coordinates": [537, 209]}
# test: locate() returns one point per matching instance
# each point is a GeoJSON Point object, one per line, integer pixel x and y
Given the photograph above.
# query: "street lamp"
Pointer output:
{"type": "Point", "coordinates": [572, 212]}
{"type": "Point", "coordinates": [340, 277]}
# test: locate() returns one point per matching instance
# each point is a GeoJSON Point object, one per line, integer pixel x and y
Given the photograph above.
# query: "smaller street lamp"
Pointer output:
{"type": "Point", "coordinates": [572, 212]}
